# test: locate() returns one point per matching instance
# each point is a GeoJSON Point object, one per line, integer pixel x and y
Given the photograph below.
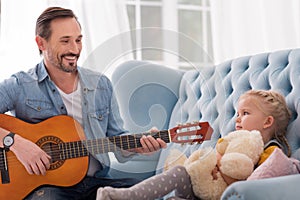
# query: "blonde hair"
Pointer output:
{"type": "Point", "coordinates": [273, 104]}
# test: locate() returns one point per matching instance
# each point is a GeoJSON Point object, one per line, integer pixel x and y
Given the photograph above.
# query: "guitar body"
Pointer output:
{"type": "Point", "coordinates": [58, 129]}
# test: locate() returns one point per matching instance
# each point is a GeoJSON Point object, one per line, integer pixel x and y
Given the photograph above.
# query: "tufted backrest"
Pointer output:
{"type": "Point", "coordinates": [211, 93]}
{"type": "Point", "coordinates": [208, 93]}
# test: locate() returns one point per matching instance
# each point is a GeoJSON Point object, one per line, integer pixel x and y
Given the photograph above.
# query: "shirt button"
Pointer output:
{"type": "Point", "coordinates": [62, 107]}
{"type": "Point", "coordinates": [53, 90]}
{"type": "Point", "coordinates": [38, 108]}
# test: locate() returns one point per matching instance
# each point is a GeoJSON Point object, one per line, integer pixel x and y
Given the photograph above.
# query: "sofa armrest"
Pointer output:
{"type": "Point", "coordinates": [285, 187]}
{"type": "Point", "coordinates": [146, 94]}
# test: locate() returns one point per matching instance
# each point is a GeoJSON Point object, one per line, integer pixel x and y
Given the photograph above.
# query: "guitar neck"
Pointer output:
{"type": "Point", "coordinates": [104, 145]}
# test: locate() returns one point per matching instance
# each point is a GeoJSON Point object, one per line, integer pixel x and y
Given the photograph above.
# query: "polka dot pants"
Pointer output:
{"type": "Point", "coordinates": [155, 187]}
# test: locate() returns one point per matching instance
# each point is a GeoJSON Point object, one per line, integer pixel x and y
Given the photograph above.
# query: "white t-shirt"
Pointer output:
{"type": "Point", "coordinates": [72, 102]}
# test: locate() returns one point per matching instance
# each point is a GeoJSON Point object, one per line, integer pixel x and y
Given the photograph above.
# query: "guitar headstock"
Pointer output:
{"type": "Point", "coordinates": [191, 132]}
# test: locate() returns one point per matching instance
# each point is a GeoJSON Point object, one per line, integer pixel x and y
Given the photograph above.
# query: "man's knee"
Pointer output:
{"type": "Point", "coordinates": [45, 193]}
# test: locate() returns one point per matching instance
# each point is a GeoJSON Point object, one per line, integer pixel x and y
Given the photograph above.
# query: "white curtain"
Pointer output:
{"type": "Point", "coordinates": [100, 21]}
{"type": "Point", "coordinates": [246, 27]}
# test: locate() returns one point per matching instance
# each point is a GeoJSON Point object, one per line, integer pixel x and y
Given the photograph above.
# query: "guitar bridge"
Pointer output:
{"type": "Point", "coordinates": [4, 167]}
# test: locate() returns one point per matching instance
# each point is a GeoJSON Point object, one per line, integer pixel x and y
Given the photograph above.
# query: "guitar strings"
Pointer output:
{"type": "Point", "coordinates": [87, 146]}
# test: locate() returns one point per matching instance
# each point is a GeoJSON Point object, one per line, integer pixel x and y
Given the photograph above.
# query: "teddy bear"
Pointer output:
{"type": "Point", "coordinates": [236, 155]}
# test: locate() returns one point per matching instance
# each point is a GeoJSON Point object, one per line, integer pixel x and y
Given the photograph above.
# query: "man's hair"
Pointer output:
{"type": "Point", "coordinates": [43, 22]}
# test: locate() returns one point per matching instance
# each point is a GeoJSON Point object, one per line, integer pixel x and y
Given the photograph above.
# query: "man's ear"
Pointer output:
{"type": "Point", "coordinates": [268, 122]}
{"type": "Point", "coordinates": [40, 42]}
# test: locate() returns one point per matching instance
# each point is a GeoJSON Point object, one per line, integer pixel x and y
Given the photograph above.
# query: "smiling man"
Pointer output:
{"type": "Point", "coordinates": [58, 86]}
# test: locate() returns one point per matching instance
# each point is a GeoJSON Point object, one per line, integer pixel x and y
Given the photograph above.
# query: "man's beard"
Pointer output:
{"type": "Point", "coordinates": [73, 65]}
{"type": "Point", "coordinates": [62, 67]}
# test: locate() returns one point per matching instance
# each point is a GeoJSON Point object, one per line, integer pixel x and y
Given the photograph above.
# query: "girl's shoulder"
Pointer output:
{"type": "Point", "coordinates": [268, 150]}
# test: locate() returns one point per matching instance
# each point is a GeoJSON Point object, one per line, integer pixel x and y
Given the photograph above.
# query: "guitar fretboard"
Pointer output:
{"type": "Point", "coordinates": [76, 149]}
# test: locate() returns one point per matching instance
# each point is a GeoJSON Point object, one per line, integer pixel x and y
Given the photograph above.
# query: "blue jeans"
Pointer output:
{"type": "Point", "coordinates": [84, 190]}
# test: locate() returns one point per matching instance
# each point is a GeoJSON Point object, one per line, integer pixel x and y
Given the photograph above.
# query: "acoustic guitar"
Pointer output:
{"type": "Point", "coordinates": [63, 139]}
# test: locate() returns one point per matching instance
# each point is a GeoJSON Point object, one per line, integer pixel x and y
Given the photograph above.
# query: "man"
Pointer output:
{"type": "Point", "coordinates": [57, 86]}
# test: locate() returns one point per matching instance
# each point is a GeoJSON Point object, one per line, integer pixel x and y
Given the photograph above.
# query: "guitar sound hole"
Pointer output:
{"type": "Point", "coordinates": [50, 145]}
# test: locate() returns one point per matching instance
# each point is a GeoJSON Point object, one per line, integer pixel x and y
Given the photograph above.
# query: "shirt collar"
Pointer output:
{"type": "Point", "coordinates": [85, 76]}
{"type": "Point", "coordinates": [42, 72]}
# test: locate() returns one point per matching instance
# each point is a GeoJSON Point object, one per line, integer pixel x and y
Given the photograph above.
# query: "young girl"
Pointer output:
{"type": "Point", "coordinates": [265, 111]}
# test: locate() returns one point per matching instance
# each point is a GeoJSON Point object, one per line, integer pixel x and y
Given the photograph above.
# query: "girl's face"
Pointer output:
{"type": "Point", "coordinates": [250, 117]}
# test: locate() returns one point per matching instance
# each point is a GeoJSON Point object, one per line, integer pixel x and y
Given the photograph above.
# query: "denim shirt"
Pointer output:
{"type": "Point", "coordinates": [33, 97]}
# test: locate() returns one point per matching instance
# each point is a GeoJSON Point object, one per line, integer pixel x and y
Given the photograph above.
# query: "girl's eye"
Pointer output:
{"type": "Point", "coordinates": [246, 113]}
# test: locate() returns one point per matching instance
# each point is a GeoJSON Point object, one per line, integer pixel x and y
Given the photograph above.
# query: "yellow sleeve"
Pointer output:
{"type": "Point", "coordinates": [267, 152]}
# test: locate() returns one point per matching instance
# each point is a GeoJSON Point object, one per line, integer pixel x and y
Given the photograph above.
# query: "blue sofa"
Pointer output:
{"type": "Point", "coordinates": [154, 95]}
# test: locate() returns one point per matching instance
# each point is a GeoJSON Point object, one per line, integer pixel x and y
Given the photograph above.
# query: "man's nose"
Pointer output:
{"type": "Point", "coordinates": [74, 47]}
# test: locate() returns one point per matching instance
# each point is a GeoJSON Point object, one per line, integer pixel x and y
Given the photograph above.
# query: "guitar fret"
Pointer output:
{"type": "Point", "coordinates": [128, 141]}
{"type": "Point", "coordinates": [164, 135]}
{"type": "Point", "coordinates": [110, 145]}
{"type": "Point", "coordinates": [111, 141]}
{"type": "Point", "coordinates": [138, 142]}
{"type": "Point", "coordinates": [78, 150]}
{"type": "Point", "coordinates": [124, 142]}
{"type": "Point", "coordinates": [135, 143]}
{"type": "Point", "coordinates": [131, 142]}
{"type": "Point", "coordinates": [93, 147]}
{"type": "Point", "coordinates": [159, 134]}
{"type": "Point", "coordinates": [85, 149]}
{"type": "Point", "coordinates": [60, 150]}
{"type": "Point", "coordinates": [97, 147]}
{"type": "Point", "coordinates": [121, 142]}
{"type": "Point", "coordinates": [115, 145]}
{"type": "Point", "coordinates": [73, 150]}
{"type": "Point", "coordinates": [87, 145]}
{"type": "Point", "coordinates": [105, 147]}
{"type": "Point", "coordinates": [68, 150]}
{"type": "Point", "coordinates": [81, 148]}
{"type": "Point", "coordinates": [118, 141]}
